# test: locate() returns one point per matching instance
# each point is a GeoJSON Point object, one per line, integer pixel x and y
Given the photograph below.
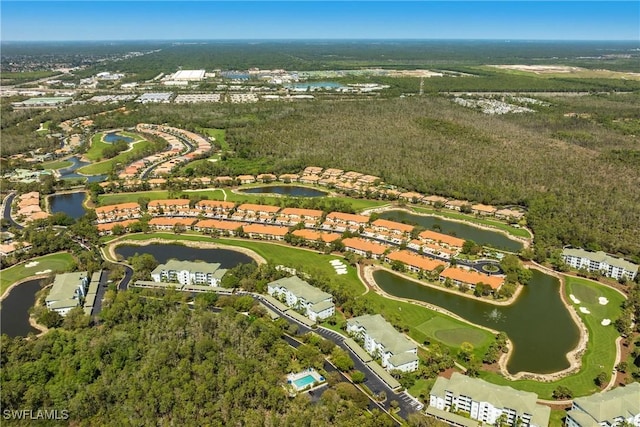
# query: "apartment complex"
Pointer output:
{"type": "Point", "coordinates": [610, 408]}
{"type": "Point", "coordinates": [599, 261]}
{"type": "Point", "coordinates": [189, 273]}
{"type": "Point", "coordinates": [298, 294]}
{"type": "Point", "coordinates": [70, 290]}
{"type": "Point", "coordinates": [484, 402]}
{"type": "Point", "coordinates": [381, 339]}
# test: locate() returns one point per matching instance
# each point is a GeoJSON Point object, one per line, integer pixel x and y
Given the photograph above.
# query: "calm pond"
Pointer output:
{"type": "Point", "coordinates": [70, 171]}
{"type": "Point", "coordinates": [538, 324]}
{"type": "Point", "coordinates": [70, 203]}
{"type": "Point", "coordinates": [464, 231]}
{"type": "Point", "coordinates": [14, 312]}
{"type": "Point", "coordinates": [164, 252]}
{"type": "Point", "coordinates": [286, 190]}
{"type": "Point", "coordinates": [114, 136]}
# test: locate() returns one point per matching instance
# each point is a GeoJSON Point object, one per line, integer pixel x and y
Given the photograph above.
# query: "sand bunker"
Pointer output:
{"type": "Point", "coordinates": [603, 300]}
{"type": "Point", "coordinates": [48, 270]}
{"type": "Point", "coordinates": [339, 266]}
{"type": "Point", "coordinates": [585, 310]}
{"type": "Point", "coordinates": [605, 322]}
{"type": "Point", "coordinates": [31, 264]}
{"type": "Point", "coordinates": [574, 299]}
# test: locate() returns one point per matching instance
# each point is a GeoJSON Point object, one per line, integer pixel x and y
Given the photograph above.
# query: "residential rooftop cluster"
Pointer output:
{"type": "Point", "coordinates": [377, 239]}
{"type": "Point", "coordinates": [28, 207]}
{"type": "Point", "coordinates": [71, 290]}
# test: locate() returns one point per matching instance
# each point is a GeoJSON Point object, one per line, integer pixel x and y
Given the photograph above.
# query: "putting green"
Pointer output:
{"type": "Point", "coordinates": [450, 333]}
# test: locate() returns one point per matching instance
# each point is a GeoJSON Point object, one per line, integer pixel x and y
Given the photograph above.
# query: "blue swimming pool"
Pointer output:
{"type": "Point", "coordinates": [304, 381]}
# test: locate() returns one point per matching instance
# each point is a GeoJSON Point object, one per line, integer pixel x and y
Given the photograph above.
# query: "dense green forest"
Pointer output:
{"type": "Point", "coordinates": [154, 359]}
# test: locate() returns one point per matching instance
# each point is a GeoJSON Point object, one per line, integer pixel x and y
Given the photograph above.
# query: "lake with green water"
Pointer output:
{"type": "Point", "coordinates": [537, 323]}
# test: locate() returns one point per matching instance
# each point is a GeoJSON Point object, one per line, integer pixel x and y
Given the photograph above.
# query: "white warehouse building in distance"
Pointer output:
{"type": "Point", "coordinates": [188, 75]}
{"type": "Point", "coordinates": [298, 294]}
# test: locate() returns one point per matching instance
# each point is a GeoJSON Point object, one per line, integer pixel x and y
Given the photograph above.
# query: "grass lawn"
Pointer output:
{"type": "Point", "coordinates": [557, 417]}
{"type": "Point", "coordinates": [218, 194]}
{"type": "Point", "coordinates": [517, 232]}
{"type": "Point", "coordinates": [218, 134]}
{"type": "Point", "coordinates": [601, 352]}
{"type": "Point", "coordinates": [44, 128]}
{"type": "Point", "coordinates": [105, 166]}
{"type": "Point", "coordinates": [422, 387]}
{"type": "Point", "coordinates": [94, 153]}
{"type": "Point", "coordinates": [411, 317]}
{"type": "Point", "coordinates": [53, 262]}
{"type": "Point", "coordinates": [57, 164]}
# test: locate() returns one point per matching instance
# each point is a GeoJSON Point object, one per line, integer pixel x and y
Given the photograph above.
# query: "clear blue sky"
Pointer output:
{"type": "Point", "coordinates": [171, 20]}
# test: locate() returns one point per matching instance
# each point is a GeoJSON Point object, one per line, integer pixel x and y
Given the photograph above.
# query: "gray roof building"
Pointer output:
{"type": "Point", "coordinates": [302, 289]}
{"type": "Point", "coordinates": [382, 331]}
{"type": "Point", "coordinates": [67, 292]}
{"type": "Point", "coordinates": [485, 401]}
{"type": "Point", "coordinates": [606, 408]}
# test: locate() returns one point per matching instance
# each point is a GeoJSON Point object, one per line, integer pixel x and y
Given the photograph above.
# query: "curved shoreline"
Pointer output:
{"type": "Point", "coordinates": [525, 242]}
{"type": "Point", "coordinates": [191, 243]}
{"type": "Point", "coordinates": [574, 356]}
{"type": "Point", "coordinates": [5, 294]}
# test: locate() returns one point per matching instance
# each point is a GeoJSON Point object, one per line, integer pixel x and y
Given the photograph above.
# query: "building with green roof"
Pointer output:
{"type": "Point", "coordinates": [69, 290]}
{"type": "Point", "coordinates": [609, 408]}
{"type": "Point", "coordinates": [382, 340]}
{"type": "Point", "coordinates": [189, 273]}
{"type": "Point", "coordinates": [600, 261]}
{"type": "Point", "coordinates": [299, 295]}
{"type": "Point", "coordinates": [486, 402]}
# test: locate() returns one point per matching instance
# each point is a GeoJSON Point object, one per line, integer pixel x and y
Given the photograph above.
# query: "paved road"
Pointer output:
{"type": "Point", "coordinates": [102, 288]}
{"type": "Point", "coordinates": [190, 147]}
{"type": "Point", "coordinates": [372, 381]}
{"type": "Point", "coordinates": [6, 211]}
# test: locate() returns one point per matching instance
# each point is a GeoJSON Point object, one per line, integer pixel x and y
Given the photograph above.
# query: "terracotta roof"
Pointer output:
{"type": "Point", "coordinates": [364, 245]}
{"type": "Point", "coordinates": [118, 207]}
{"type": "Point", "coordinates": [215, 204]}
{"type": "Point", "coordinates": [472, 277]}
{"type": "Point", "coordinates": [339, 216]}
{"type": "Point", "coordinates": [314, 213]}
{"type": "Point", "coordinates": [458, 203]}
{"type": "Point", "coordinates": [484, 208]}
{"type": "Point", "coordinates": [172, 221]}
{"type": "Point", "coordinates": [38, 215]}
{"type": "Point", "coordinates": [246, 177]}
{"type": "Point", "coordinates": [168, 202]}
{"type": "Point", "coordinates": [415, 260]}
{"type": "Point", "coordinates": [444, 238]}
{"type": "Point", "coordinates": [273, 230]}
{"type": "Point", "coordinates": [221, 225]}
{"type": "Point", "coordinates": [258, 208]}
{"type": "Point", "coordinates": [392, 225]}
{"type": "Point", "coordinates": [411, 195]}
{"type": "Point", "coordinates": [315, 235]}
{"type": "Point", "coordinates": [435, 199]}
{"type": "Point", "coordinates": [31, 195]}
{"type": "Point", "coordinates": [109, 225]}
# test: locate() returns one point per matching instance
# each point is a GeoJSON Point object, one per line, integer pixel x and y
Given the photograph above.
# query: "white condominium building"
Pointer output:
{"type": "Point", "coordinates": [381, 339]}
{"type": "Point", "coordinates": [298, 294]}
{"type": "Point", "coordinates": [189, 273]}
{"type": "Point", "coordinates": [599, 261]}
{"type": "Point", "coordinates": [610, 408]}
{"type": "Point", "coordinates": [484, 402]}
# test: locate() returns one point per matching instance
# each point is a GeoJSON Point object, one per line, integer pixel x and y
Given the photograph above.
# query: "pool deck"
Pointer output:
{"type": "Point", "coordinates": [293, 377]}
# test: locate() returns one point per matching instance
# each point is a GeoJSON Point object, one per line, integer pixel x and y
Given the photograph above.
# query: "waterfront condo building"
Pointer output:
{"type": "Point", "coordinates": [298, 294]}
{"type": "Point", "coordinates": [610, 266]}
{"type": "Point", "coordinates": [189, 273]}
{"type": "Point", "coordinates": [485, 402]}
{"type": "Point", "coordinates": [382, 340]}
{"type": "Point", "coordinates": [609, 408]}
